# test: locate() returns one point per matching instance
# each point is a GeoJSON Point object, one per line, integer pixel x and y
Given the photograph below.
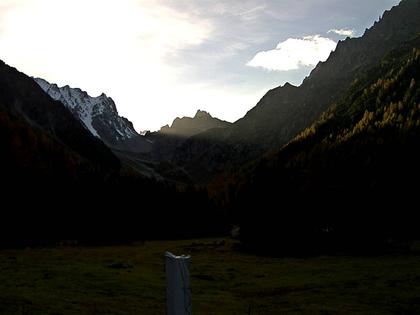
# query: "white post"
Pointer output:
{"type": "Point", "coordinates": [178, 294]}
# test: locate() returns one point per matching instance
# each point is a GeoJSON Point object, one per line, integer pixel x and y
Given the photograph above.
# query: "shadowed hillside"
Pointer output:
{"type": "Point", "coordinates": [351, 178]}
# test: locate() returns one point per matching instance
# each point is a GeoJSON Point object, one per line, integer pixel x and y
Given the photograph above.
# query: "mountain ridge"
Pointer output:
{"type": "Point", "coordinates": [98, 114]}
{"type": "Point", "coordinates": [190, 126]}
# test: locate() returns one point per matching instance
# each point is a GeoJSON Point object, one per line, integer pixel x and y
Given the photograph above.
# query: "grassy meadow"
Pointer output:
{"type": "Point", "coordinates": [131, 280]}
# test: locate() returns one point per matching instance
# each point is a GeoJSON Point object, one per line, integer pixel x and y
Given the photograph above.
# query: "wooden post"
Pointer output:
{"type": "Point", "coordinates": [178, 293]}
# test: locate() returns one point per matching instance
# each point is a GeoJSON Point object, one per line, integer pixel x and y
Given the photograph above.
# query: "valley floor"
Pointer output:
{"type": "Point", "coordinates": [131, 280]}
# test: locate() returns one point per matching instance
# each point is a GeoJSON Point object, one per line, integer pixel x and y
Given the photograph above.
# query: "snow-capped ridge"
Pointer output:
{"type": "Point", "coordinates": [98, 114]}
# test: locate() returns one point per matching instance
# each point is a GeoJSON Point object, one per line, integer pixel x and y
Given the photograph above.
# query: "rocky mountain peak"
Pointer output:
{"type": "Point", "coordinates": [202, 114]}
{"type": "Point", "coordinates": [190, 126]}
{"type": "Point", "coordinates": [98, 114]}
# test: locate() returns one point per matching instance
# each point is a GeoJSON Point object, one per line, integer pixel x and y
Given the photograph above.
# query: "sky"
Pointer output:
{"type": "Point", "coordinates": [161, 59]}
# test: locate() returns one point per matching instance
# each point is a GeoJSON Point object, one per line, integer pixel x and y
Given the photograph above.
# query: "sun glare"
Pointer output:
{"type": "Point", "coordinates": [116, 47]}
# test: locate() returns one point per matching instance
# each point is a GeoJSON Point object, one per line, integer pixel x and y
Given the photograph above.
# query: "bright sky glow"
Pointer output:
{"type": "Point", "coordinates": [159, 59]}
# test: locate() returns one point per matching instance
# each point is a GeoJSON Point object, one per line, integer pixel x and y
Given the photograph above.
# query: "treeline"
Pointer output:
{"type": "Point", "coordinates": [119, 209]}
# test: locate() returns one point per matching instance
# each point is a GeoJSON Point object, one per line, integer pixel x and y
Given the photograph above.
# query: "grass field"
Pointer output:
{"type": "Point", "coordinates": [79, 280]}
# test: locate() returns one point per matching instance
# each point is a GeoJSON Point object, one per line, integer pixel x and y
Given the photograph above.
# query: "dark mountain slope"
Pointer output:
{"type": "Point", "coordinates": [151, 155]}
{"type": "Point", "coordinates": [285, 111]}
{"type": "Point", "coordinates": [349, 180]}
{"type": "Point", "coordinates": [168, 139]}
{"type": "Point", "coordinates": [22, 98]}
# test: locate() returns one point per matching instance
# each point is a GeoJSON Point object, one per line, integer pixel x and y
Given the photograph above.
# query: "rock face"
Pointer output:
{"type": "Point", "coordinates": [98, 114]}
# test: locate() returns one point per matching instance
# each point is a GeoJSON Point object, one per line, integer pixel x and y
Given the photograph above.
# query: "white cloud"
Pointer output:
{"type": "Point", "coordinates": [294, 53]}
{"type": "Point", "coordinates": [343, 32]}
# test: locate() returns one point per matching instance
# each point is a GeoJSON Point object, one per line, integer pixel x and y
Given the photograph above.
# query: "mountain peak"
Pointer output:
{"type": "Point", "coordinates": [202, 114]}
{"type": "Point", "coordinates": [98, 114]}
{"type": "Point", "coordinates": [288, 85]}
{"type": "Point", "coordinates": [189, 126]}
